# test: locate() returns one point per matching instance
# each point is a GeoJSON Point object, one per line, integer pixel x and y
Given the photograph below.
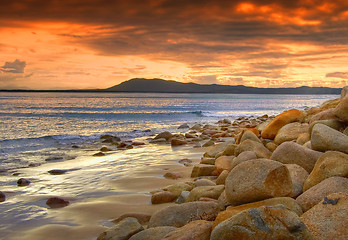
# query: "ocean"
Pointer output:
{"type": "Point", "coordinates": [44, 131]}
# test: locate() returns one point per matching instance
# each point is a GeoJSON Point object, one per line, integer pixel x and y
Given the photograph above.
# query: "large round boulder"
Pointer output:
{"type": "Point", "coordinates": [298, 176]}
{"type": "Point", "coordinates": [293, 153]}
{"type": "Point", "coordinates": [195, 230]}
{"type": "Point", "coordinates": [325, 138]}
{"type": "Point", "coordinates": [271, 130]}
{"type": "Point", "coordinates": [256, 180]}
{"type": "Point", "coordinates": [288, 202]}
{"type": "Point", "coordinates": [315, 194]}
{"type": "Point", "coordinates": [213, 192]}
{"type": "Point", "coordinates": [266, 222]}
{"type": "Point", "coordinates": [328, 219]}
{"type": "Point", "coordinates": [290, 132]}
{"type": "Point", "coordinates": [249, 145]}
{"type": "Point", "coordinates": [330, 164]}
{"type": "Point", "coordinates": [180, 215]}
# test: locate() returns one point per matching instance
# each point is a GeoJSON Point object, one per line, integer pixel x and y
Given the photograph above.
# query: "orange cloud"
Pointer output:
{"type": "Point", "coordinates": [90, 44]}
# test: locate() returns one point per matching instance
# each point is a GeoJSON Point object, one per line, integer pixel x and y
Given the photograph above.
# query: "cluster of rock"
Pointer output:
{"type": "Point", "coordinates": [115, 142]}
{"type": "Point", "coordinates": [280, 178]}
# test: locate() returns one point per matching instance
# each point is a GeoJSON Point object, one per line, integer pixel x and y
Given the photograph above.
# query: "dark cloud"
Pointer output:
{"type": "Point", "coordinates": [197, 33]}
{"type": "Point", "coordinates": [343, 75]}
{"type": "Point", "coordinates": [16, 66]}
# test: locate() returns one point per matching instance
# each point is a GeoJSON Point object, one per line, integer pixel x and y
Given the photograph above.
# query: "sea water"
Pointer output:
{"type": "Point", "coordinates": [44, 131]}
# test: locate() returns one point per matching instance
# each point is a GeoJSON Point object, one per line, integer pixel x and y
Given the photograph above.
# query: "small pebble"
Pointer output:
{"type": "Point", "coordinates": [99, 154]}
{"type": "Point", "coordinates": [56, 202]}
{"type": "Point", "coordinates": [57, 171]}
{"type": "Point", "coordinates": [2, 197]}
{"type": "Point", "coordinates": [23, 182]}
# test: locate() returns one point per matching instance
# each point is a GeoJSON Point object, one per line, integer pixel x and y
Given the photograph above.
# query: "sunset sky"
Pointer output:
{"type": "Point", "coordinates": [64, 44]}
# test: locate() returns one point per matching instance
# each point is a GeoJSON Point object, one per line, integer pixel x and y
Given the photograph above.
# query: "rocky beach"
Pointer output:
{"type": "Point", "coordinates": [280, 177]}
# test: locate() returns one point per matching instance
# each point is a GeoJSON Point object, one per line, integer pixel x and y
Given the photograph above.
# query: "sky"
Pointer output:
{"type": "Point", "coordinates": [79, 44]}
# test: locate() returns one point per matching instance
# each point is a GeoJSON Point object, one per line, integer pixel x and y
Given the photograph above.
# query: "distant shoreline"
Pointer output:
{"type": "Point", "coordinates": [142, 85]}
{"type": "Point", "coordinates": [104, 91]}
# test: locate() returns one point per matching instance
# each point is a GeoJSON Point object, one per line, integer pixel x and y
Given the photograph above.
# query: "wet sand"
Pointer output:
{"type": "Point", "coordinates": [99, 189]}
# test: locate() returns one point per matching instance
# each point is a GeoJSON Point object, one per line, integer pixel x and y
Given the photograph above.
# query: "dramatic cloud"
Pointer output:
{"type": "Point", "coordinates": [265, 43]}
{"type": "Point", "coordinates": [14, 67]}
{"type": "Point", "coordinates": [343, 75]}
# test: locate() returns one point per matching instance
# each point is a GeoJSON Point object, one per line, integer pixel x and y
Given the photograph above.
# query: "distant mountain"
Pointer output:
{"type": "Point", "coordinates": [168, 86]}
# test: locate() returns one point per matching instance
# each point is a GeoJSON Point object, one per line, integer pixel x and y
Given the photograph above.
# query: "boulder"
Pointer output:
{"type": "Point", "coordinates": [223, 163]}
{"type": "Point", "coordinates": [288, 202]}
{"type": "Point", "coordinates": [315, 194]}
{"type": "Point", "coordinates": [256, 180]}
{"type": "Point", "coordinates": [178, 142]}
{"type": "Point", "coordinates": [173, 175]}
{"type": "Point", "coordinates": [324, 115]}
{"type": "Point", "coordinates": [189, 135]}
{"type": "Point", "coordinates": [271, 130]}
{"type": "Point", "coordinates": [290, 132]}
{"type": "Point", "coordinates": [209, 161]}
{"type": "Point", "coordinates": [298, 176]}
{"type": "Point", "coordinates": [229, 150]}
{"type": "Point", "coordinates": [218, 148]}
{"type": "Point", "coordinates": [2, 197]}
{"type": "Point", "coordinates": [341, 110]}
{"type": "Point", "coordinates": [222, 177]}
{"type": "Point", "coordinates": [143, 218]}
{"type": "Point", "coordinates": [181, 214]}
{"type": "Point", "coordinates": [183, 126]}
{"type": "Point", "coordinates": [105, 149]}
{"type": "Point", "coordinates": [266, 222]}
{"type": "Point", "coordinates": [248, 145]}
{"type": "Point", "coordinates": [209, 143]}
{"type": "Point", "coordinates": [196, 127]}
{"type": "Point", "coordinates": [185, 161]}
{"type": "Point", "coordinates": [202, 170]}
{"type": "Point", "coordinates": [99, 154]}
{"type": "Point", "coordinates": [271, 146]}
{"type": "Point", "coordinates": [22, 182]}
{"type": "Point", "coordinates": [122, 230]}
{"type": "Point", "coordinates": [177, 188]}
{"type": "Point", "coordinates": [163, 197]}
{"type": "Point", "coordinates": [57, 171]}
{"type": "Point", "coordinates": [330, 164]}
{"type": "Point", "coordinates": [195, 230]}
{"type": "Point", "coordinates": [204, 182]}
{"type": "Point", "coordinates": [183, 197]}
{"type": "Point", "coordinates": [324, 138]}
{"type": "Point", "coordinates": [156, 233]}
{"type": "Point", "coordinates": [138, 143]}
{"type": "Point", "coordinates": [344, 91]}
{"type": "Point", "coordinates": [166, 135]}
{"type": "Point", "coordinates": [328, 219]}
{"type": "Point", "coordinates": [293, 153]}
{"type": "Point", "coordinates": [205, 191]}
{"type": "Point", "coordinates": [247, 134]}
{"type": "Point", "coordinates": [332, 123]}
{"type": "Point", "coordinates": [242, 157]}
{"type": "Point", "coordinates": [303, 138]}
{"type": "Point", "coordinates": [223, 202]}
{"type": "Point", "coordinates": [56, 202]}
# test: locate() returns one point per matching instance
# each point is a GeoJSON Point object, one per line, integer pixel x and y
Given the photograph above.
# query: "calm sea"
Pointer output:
{"type": "Point", "coordinates": [45, 122]}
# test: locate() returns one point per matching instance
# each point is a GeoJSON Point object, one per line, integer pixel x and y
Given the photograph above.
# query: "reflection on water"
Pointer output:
{"type": "Point", "coordinates": [88, 181]}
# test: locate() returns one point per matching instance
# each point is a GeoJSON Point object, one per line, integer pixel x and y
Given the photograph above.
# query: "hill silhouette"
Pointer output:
{"type": "Point", "coordinates": [168, 86]}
